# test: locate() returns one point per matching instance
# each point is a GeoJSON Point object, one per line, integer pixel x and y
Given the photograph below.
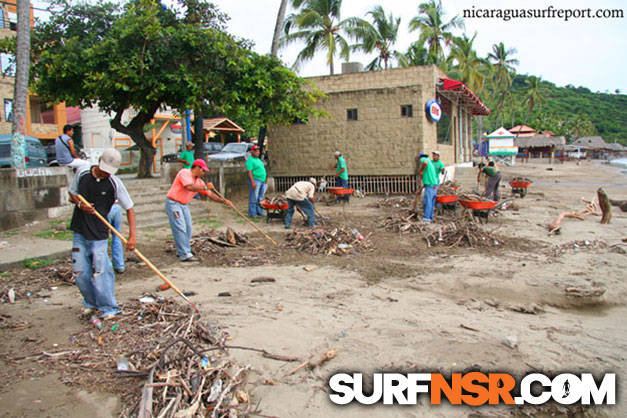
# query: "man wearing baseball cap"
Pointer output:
{"type": "Point", "coordinates": [187, 183]}
{"type": "Point", "coordinates": [438, 165]}
{"type": "Point", "coordinates": [257, 186]}
{"type": "Point", "coordinates": [301, 194]}
{"type": "Point", "coordinates": [92, 267]}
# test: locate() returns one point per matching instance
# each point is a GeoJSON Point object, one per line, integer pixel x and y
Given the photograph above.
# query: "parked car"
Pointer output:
{"type": "Point", "coordinates": [212, 148]}
{"type": "Point", "coordinates": [35, 152]}
{"type": "Point", "coordinates": [232, 151]}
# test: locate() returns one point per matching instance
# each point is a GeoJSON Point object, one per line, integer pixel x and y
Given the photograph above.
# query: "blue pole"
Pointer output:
{"type": "Point", "coordinates": [188, 126]}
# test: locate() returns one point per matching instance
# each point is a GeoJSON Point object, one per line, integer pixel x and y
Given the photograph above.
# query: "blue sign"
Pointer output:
{"type": "Point", "coordinates": [433, 110]}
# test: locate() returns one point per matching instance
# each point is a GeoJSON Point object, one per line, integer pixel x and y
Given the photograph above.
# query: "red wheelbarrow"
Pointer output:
{"type": "Point", "coordinates": [520, 187]}
{"type": "Point", "coordinates": [446, 202]}
{"type": "Point", "coordinates": [274, 211]}
{"type": "Point", "coordinates": [479, 209]}
{"type": "Point", "coordinates": [339, 192]}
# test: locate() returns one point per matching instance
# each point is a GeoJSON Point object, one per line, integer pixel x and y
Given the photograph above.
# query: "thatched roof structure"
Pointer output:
{"type": "Point", "coordinates": [539, 141]}
{"type": "Point", "coordinates": [591, 142]}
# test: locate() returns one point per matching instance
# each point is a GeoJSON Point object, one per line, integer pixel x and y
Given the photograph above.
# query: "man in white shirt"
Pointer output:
{"type": "Point", "coordinates": [66, 153]}
{"type": "Point", "coordinates": [301, 194]}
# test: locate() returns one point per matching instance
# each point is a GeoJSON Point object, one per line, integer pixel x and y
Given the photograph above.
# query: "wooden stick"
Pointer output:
{"type": "Point", "coordinates": [606, 208]}
{"type": "Point", "coordinates": [139, 255]}
{"type": "Point", "coordinates": [245, 218]}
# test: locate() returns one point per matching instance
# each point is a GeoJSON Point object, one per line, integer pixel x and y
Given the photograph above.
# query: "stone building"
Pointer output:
{"type": "Point", "coordinates": [378, 120]}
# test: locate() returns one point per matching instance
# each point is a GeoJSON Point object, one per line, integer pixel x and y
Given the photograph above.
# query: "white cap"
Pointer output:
{"type": "Point", "coordinates": [313, 181]}
{"type": "Point", "coordinates": [337, 153]}
{"type": "Point", "coordinates": [436, 152]}
{"type": "Point", "coordinates": [110, 161]}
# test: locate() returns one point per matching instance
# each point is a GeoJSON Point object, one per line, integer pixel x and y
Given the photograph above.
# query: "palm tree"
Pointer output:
{"type": "Point", "coordinates": [280, 19]}
{"type": "Point", "coordinates": [503, 63]}
{"type": "Point", "coordinates": [381, 35]}
{"type": "Point", "coordinates": [320, 27]}
{"type": "Point", "coordinates": [416, 54]}
{"type": "Point", "coordinates": [20, 91]}
{"type": "Point", "coordinates": [533, 94]}
{"type": "Point", "coordinates": [433, 30]}
{"type": "Point", "coordinates": [469, 68]}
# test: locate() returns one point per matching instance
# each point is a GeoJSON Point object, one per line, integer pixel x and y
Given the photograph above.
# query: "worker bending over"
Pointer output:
{"type": "Point", "coordinates": [301, 194]}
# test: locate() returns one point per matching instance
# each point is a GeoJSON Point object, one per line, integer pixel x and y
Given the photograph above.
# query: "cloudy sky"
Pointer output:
{"type": "Point", "coordinates": [583, 52]}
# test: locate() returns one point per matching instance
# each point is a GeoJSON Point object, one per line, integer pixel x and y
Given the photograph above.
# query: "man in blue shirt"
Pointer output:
{"type": "Point", "coordinates": [66, 153]}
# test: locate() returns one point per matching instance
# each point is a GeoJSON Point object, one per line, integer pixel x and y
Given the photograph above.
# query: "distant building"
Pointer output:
{"type": "Point", "coordinates": [380, 120]}
{"type": "Point", "coordinates": [522, 130]}
{"type": "Point", "coordinates": [540, 146]}
{"type": "Point", "coordinates": [43, 121]}
{"type": "Point", "coordinates": [596, 147]}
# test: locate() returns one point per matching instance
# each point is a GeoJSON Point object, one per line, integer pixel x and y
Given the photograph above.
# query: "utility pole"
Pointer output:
{"type": "Point", "coordinates": [20, 92]}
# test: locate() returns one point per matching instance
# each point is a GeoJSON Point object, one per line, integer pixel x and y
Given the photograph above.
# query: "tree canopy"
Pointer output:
{"type": "Point", "coordinates": [144, 56]}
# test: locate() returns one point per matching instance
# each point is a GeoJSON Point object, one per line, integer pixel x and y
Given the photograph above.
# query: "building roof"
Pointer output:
{"type": "Point", "coordinates": [220, 124]}
{"type": "Point", "coordinates": [590, 142]}
{"type": "Point", "coordinates": [616, 147]}
{"type": "Point", "coordinates": [520, 129]}
{"type": "Point", "coordinates": [501, 133]}
{"type": "Point", "coordinates": [539, 141]}
{"type": "Point", "coordinates": [467, 96]}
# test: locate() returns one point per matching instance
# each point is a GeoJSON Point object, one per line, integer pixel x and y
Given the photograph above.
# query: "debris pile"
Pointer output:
{"type": "Point", "coordinates": [212, 242]}
{"type": "Point", "coordinates": [521, 179]}
{"type": "Point", "coordinates": [473, 197]}
{"type": "Point", "coordinates": [406, 223]}
{"type": "Point", "coordinates": [327, 241]}
{"type": "Point", "coordinates": [276, 200]}
{"type": "Point", "coordinates": [462, 231]}
{"type": "Point", "coordinates": [165, 346]}
{"type": "Point", "coordinates": [577, 245]}
{"type": "Point", "coordinates": [27, 283]}
{"type": "Point", "coordinates": [448, 188]}
{"type": "Point", "coordinates": [394, 202]}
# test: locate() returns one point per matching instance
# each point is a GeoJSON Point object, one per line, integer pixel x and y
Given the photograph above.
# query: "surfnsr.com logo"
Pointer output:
{"type": "Point", "coordinates": [473, 388]}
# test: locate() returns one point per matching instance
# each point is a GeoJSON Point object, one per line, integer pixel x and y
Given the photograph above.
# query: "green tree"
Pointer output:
{"type": "Point", "coordinates": [503, 63]}
{"type": "Point", "coordinates": [137, 58]}
{"type": "Point", "coordinates": [434, 31]}
{"type": "Point", "coordinates": [468, 68]}
{"type": "Point", "coordinates": [380, 36]}
{"type": "Point", "coordinates": [534, 95]}
{"type": "Point", "coordinates": [319, 26]}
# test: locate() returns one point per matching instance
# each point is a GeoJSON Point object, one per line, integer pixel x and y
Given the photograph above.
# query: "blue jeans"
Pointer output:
{"type": "Point", "coordinates": [428, 202]}
{"type": "Point", "coordinates": [342, 183]}
{"type": "Point", "coordinates": [306, 206]}
{"type": "Point", "coordinates": [181, 225]}
{"type": "Point", "coordinates": [117, 251]}
{"type": "Point", "coordinates": [94, 274]}
{"type": "Point", "coordinates": [256, 192]}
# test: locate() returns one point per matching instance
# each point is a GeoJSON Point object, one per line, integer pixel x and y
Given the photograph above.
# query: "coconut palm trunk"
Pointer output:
{"type": "Point", "coordinates": [20, 91]}
{"type": "Point", "coordinates": [280, 19]}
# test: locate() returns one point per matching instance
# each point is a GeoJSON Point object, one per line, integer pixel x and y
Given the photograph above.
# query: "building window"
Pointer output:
{"type": "Point", "coordinates": [444, 125]}
{"type": "Point", "coordinates": [2, 26]}
{"type": "Point", "coordinates": [351, 114]}
{"type": "Point", "coordinates": [13, 20]}
{"type": "Point", "coordinates": [407, 111]}
{"type": "Point", "coordinates": [7, 62]}
{"type": "Point", "coordinates": [8, 110]}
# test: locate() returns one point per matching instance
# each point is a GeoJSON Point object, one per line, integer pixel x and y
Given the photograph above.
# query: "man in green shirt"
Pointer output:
{"type": "Point", "coordinates": [341, 173]}
{"type": "Point", "coordinates": [187, 155]}
{"type": "Point", "coordinates": [430, 183]}
{"type": "Point", "coordinates": [256, 172]}
{"type": "Point", "coordinates": [494, 180]}
{"type": "Point", "coordinates": [438, 165]}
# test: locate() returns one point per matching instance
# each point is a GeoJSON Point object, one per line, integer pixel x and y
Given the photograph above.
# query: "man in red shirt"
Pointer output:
{"type": "Point", "coordinates": [187, 183]}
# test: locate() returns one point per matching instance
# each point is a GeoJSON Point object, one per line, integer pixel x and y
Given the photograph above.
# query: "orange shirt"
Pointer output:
{"type": "Point", "coordinates": [178, 191]}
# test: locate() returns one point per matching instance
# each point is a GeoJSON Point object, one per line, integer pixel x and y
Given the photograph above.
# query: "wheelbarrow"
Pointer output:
{"type": "Point", "coordinates": [274, 211]}
{"type": "Point", "coordinates": [520, 187]}
{"type": "Point", "coordinates": [340, 192]}
{"type": "Point", "coordinates": [446, 202]}
{"type": "Point", "coordinates": [479, 209]}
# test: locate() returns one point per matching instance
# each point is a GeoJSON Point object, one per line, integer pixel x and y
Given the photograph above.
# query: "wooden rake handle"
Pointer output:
{"type": "Point", "coordinates": [139, 254]}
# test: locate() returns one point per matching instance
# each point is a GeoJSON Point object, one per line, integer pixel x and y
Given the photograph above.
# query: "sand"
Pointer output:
{"type": "Point", "coordinates": [403, 307]}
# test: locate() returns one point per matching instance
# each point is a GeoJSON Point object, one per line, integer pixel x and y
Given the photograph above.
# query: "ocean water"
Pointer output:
{"type": "Point", "coordinates": [619, 162]}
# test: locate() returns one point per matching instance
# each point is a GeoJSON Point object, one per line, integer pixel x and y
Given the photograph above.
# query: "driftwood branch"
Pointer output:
{"type": "Point", "coordinates": [606, 208]}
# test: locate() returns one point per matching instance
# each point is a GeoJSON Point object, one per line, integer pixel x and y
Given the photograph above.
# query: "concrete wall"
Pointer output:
{"type": "Point", "coordinates": [229, 178]}
{"type": "Point", "coordinates": [30, 194]}
{"type": "Point", "coordinates": [380, 142]}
